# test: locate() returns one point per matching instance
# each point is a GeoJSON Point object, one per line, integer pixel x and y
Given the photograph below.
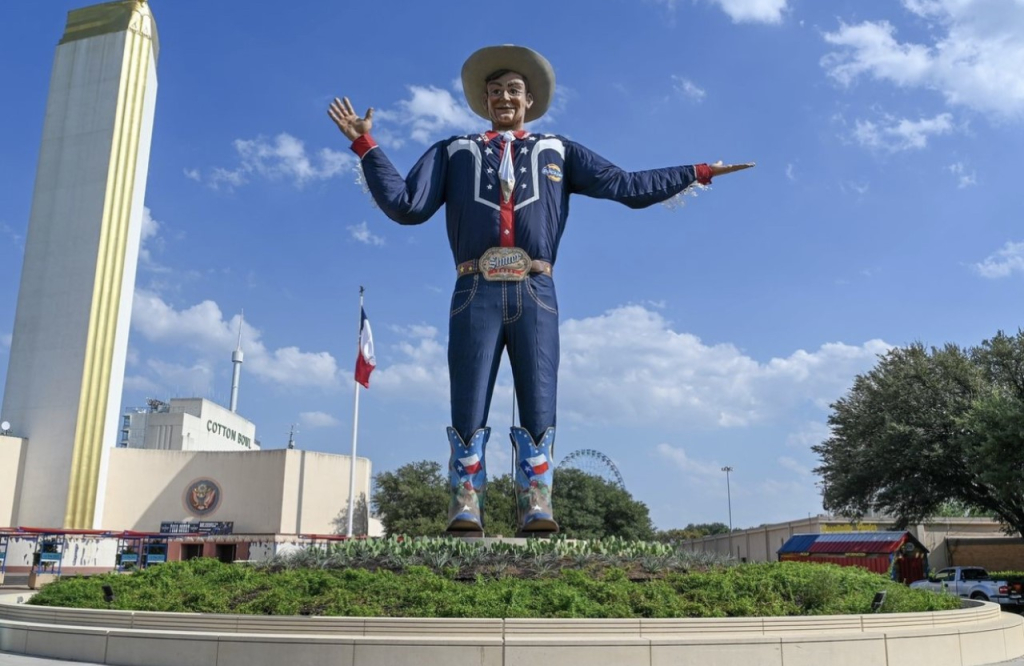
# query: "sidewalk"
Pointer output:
{"type": "Point", "coordinates": [7, 659]}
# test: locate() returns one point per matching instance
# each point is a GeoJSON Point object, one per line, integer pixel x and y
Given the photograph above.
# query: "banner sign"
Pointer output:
{"type": "Point", "coordinates": [201, 527]}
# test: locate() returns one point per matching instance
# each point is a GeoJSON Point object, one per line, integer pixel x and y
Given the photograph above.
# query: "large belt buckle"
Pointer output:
{"type": "Point", "coordinates": [505, 264]}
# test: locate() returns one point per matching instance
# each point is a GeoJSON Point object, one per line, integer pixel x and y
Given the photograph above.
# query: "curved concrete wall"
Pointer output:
{"type": "Point", "coordinates": [975, 635]}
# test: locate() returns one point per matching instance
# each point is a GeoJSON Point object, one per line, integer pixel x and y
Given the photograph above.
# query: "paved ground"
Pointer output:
{"type": "Point", "coordinates": [7, 659]}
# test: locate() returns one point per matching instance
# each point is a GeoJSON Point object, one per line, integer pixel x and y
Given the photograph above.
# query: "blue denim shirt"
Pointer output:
{"type": "Point", "coordinates": [462, 172]}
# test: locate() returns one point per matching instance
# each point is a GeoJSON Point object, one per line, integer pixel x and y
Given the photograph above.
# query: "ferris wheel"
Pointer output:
{"type": "Point", "coordinates": [594, 463]}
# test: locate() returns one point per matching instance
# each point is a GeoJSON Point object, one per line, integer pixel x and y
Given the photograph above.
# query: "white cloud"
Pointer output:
{"type": "Point", "coordinates": [417, 367]}
{"type": "Point", "coordinates": [809, 434]}
{"type": "Point", "coordinates": [899, 134]}
{"type": "Point", "coordinates": [150, 238]}
{"type": "Point", "coordinates": [964, 178]}
{"type": "Point", "coordinates": [283, 158]}
{"type": "Point", "coordinates": [361, 232]}
{"type": "Point", "coordinates": [744, 11]}
{"type": "Point", "coordinates": [150, 227]}
{"type": "Point", "coordinates": [192, 174]}
{"type": "Point", "coordinates": [183, 380]}
{"type": "Point", "coordinates": [974, 57]}
{"type": "Point", "coordinates": [140, 384]}
{"type": "Point", "coordinates": [430, 113]}
{"type": "Point", "coordinates": [790, 172]}
{"type": "Point", "coordinates": [629, 366]}
{"type": "Point", "coordinates": [677, 454]}
{"type": "Point", "coordinates": [1004, 262]}
{"type": "Point", "coordinates": [795, 466]}
{"type": "Point", "coordinates": [698, 472]}
{"type": "Point", "coordinates": [688, 88]}
{"type": "Point", "coordinates": [203, 328]}
{"type": "Point", "coordinates": [5, 340]}
{"type": "Point", "coordinates": [753, 11]}
{"type": "Point", "coordinates": [318, 420]}
{"type": "Point", "coordinates": [220, 176]}
{"type": "Point", "coordinates": [860, 189]}
{"type": "Point", "coordinates": [16, 238]}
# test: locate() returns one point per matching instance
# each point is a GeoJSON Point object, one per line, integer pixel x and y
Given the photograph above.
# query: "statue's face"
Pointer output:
{"type": "Point", "coordinates": [507, 101]}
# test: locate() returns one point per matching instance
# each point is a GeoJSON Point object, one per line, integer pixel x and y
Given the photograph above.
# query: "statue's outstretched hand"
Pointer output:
{"type": "Point", "coordinates": [719, 169]}
{"type": "Point", "coordinates": [348, 121]}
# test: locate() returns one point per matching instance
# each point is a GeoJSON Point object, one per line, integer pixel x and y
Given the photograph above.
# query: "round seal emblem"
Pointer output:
{"type": "Point", "coordinates": [202, 497]}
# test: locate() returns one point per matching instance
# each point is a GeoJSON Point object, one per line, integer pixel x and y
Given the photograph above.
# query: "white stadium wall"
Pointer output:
{"type": "Point", "coordinates": [262, 492]}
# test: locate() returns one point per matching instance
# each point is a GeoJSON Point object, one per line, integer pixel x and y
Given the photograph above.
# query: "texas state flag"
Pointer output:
{"type": "Point", "coordinates": [365, 362]}
{"type": "Point", "coordinates": [469, 464]}
{"type": "Point", "coordinates": [533, 466]}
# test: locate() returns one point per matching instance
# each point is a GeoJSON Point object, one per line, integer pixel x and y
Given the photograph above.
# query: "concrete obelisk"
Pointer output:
{"type": "Point", "coordinates": [70, 340]}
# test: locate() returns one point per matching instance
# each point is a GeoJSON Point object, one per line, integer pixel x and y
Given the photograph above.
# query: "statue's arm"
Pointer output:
{"type": "Point", "coordinates": [592, 175]}
{"type": "Point", "coordinates": [410, 200]}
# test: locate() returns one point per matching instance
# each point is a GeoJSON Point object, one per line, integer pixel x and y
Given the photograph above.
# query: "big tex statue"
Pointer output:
{"type": "Point", "coordinates": [507, 198]}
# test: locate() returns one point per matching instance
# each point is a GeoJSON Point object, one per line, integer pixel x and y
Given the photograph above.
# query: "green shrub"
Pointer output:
{"type": "Point", "coordinates": [748, 590]}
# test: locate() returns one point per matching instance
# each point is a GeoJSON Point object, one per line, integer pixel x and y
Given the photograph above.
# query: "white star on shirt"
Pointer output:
{"type": "Point", "coordinates": [490, 170]}
{"type": "Point", "coordinates": [525, 150]}
{"type": "Point", "coordinates": [522, 169]}
{"type": "Point", "coordinates": [490, 187]}
{"type": "Point", "coordinates": [524, 186]}
{"type": "Point", "coordinates": [533, 138]}
{"type": "Point", "coordinates": [488, 150]}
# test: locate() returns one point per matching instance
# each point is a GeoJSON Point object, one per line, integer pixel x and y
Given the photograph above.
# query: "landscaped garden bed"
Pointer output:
{"type": "Point", "coordinates": [451, 578]}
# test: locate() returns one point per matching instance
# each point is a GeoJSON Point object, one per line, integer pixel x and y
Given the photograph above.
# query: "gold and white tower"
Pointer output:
{"type": "Point", "coordinates": [70, 340]}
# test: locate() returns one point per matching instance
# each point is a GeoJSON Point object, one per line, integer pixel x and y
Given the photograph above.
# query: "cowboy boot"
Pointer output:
{"type": "Point", "coordinates": [534, 475]}
{"type": "Point", "coordinates": [468, 481]}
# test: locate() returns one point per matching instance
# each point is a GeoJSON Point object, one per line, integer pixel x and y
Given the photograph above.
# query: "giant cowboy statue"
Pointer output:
{"type": "Point", "coordinates": [507, 198]}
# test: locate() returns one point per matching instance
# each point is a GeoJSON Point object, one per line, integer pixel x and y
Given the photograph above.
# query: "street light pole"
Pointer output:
{"type": "Point", "coordinates": [728, 494]}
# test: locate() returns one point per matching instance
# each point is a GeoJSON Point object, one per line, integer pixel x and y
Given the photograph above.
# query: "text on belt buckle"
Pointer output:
{"type": "Point", "coordinates": [505, 264]}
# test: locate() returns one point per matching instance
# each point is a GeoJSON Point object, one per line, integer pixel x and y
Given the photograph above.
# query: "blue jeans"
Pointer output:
{"type": "Point", "coordinates": [487, 317]}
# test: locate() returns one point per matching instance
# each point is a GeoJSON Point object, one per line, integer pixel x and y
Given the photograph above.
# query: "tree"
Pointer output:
{"type": "Point", "coordinates": [500, 507]}
{"type": "Point", "coordinates": [691, 531]}
{"type": "Point", "coordinates": [588, 507]}
{"type": "Point", "coordinates": [930, 427]}
{"type": "Point", "coordinates": [412, 500]}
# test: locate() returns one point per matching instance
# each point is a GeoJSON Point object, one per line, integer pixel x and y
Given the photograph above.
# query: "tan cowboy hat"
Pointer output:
{"type": "Point", "coordinates": [535, 67]}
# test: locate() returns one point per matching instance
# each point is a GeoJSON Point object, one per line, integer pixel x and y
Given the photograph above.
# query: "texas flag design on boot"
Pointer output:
{"type": "Point", "coordinates": [533, 466]}
{"type": "Point", "coordinates": [468, 481]}
{"type": "Point", "coordinates": [468, 465]}
{"type": "Point", "coordinates": [533, 481]}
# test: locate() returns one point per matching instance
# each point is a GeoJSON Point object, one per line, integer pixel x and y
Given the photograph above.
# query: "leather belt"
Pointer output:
{"type": "Point", "coordinates": [536, 266]}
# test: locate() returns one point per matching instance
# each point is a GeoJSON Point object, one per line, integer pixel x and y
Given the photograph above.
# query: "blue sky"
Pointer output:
{"type": "Point", "coordinates": [884, 210]}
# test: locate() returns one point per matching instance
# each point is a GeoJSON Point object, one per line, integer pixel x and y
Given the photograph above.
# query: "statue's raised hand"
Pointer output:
{"type": "Point", "coordinates": [719, 169]}
{"type": "Point", "coordinates": [348, 121]}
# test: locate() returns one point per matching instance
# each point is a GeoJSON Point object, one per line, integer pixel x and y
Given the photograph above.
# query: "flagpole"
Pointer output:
{"type": "Point", "coordinates": [355, 432]}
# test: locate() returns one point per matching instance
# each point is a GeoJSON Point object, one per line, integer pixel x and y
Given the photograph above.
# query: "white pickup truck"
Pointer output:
{"type": "Point", "coordinates": [972, 583]}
